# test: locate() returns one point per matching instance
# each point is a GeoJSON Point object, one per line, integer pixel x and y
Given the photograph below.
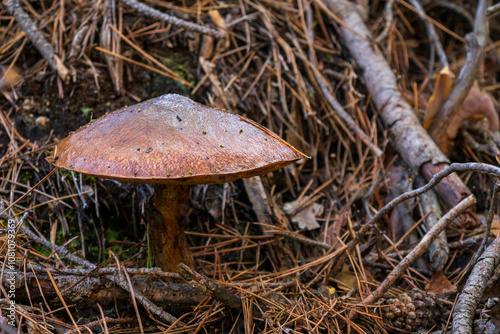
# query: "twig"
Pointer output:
{"type": "Point", "coordinates": [101, 322]}
{"type": "Point", "coordinates": [36, 37]}
{"type": "Point", "coordinates": [472, 166]}
{"type": "Point", "coordinates": [149, 272]}
{"type": "Point", "coordinates": [157, 15]}
{"type": "Point", "coordinates": [476, 43]}
{"type": "Point", "coordinates": [473, 289]}
{"type": "Point", "coordinates": [490, 146]}
{"type": "Point", "coordinates": [493, 9]}
{"type": "Point", "coordinates": [389, 18]}
{"type": "Point", "coordinates": [459, 9]}
{"type": "Point", "coordinates": [211, 288]}
{"type": "Point", "coordinates": [420, 249]}
{"type": "Point", "coordinates": [337, 107]}
{"type": "Point", "coordinates": [303, 240]}
{"type": "Point", "coordinates": [466, 243]}
{"type": "Point", "coordinates": [487, 230]}
{"type": "Point", "coordinates": [438, 251]}
{"type": "Point", "coordinates": [431, 32]}
{"type": "Point", "coordinates": [139, 296]}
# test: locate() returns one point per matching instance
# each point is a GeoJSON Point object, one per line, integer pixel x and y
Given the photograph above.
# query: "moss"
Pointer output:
{"type": "Point", "coordinates": [160, 84]}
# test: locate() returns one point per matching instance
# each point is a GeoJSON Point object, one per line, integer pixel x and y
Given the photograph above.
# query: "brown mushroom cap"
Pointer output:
{"type": "Point", "coordinates": [172, 140]}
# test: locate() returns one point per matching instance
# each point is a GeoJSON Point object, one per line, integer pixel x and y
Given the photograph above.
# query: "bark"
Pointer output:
{"type": "Point", "coordinates": [36, 37]}
{"type": "Point", "coordinates": [176, 296]}
{"type": "Point", "coordinates": [465, 309]}
{"type": "Point", "coordinates": [420, 249]}
{"type": "Point", "coordinates": [476, 43]}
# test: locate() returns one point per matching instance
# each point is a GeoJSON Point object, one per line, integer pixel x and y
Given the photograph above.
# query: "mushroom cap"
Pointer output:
{"type": "Point", "coordinates": [172, 140]}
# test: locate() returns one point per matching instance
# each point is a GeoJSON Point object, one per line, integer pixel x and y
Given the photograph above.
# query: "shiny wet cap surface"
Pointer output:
{"type": "Point", "coordinates": [172, 139]}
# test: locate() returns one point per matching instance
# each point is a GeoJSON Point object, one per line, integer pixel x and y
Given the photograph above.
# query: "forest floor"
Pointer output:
{"type": "Point", "coordinates": [325, 245]}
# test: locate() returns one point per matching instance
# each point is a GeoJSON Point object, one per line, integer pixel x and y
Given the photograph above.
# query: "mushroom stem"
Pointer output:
{"type": "Point", "coordinates": [166, 227]}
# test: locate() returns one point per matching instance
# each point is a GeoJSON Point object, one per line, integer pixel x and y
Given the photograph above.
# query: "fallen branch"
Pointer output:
{"type": "Point", "coordinates": [420, 249]}
{"type": "Point", "coordinates": [211, 288]}
{"type": "Point", "coordinates": [31, 286]}
{"type": "Point", "coordinates": [493, 9]}
{"type": "Point", "coordinates": [476, 43]}
{"type": "Point", "coordinates": [139, 296]}
{"type": "Point", "coordinates": [149, 272]}
{"type": "Point", "coordinates": [473, 290]}
{"type": "Point", "coordinates": [434, 182]}
{"type": "Point", "coordinates": [36, 37]}
{"type": "Point", "coordinates": [157, 15]}
{"type": "Point", "coordinates": [325, 90]}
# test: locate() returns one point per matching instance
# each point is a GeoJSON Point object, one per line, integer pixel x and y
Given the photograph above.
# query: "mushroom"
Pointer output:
{"type": "Point", "coordinates": [172, 142]}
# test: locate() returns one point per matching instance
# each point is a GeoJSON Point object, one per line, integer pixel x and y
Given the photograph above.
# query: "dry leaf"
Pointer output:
{"type": "Point", "coordinates": [8, 77]}
{"type": "Point", "coordinates": [440, 285]}
{"type": "Point", "coordinates": [222, 44]}
{"type": "Point", "coordinates": [444, 85]}
{"type": "Point", "coordinates": [347, 277]}
{"type": "Point", "coordinates": [331, 235]}
{"type": "Point", "coordinates": [305, 218]}
{"type": "Point", "coordinates": [476, 104]}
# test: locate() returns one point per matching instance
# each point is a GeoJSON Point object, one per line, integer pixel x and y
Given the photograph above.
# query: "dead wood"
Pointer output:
{"type": "Point", "coordinates": [493, 9]}
{"type": "Point", "coordinates": [407, 135]}
{"type": "Point", "coordinates": [36, 37]}
{"type": "Point", "coordinates": [157, 15]}
{"type": "Point", "coordinates": [433, 36]}
{"type": "Point", "coordinates": [476, 43]}
{"type": "Point", "coordinates": [119, 280]}
{"type": "Point", "coordinates": [212, 289]}
{"type": "Point", "coordinates": [465, 308]}
{"type": "Point", "coordinates": [420, 249]}
{"type": "Point", "coordinates": [258, 197]}
{"type": "Point", "coordinates": [438, 251]}
{"type": "Point", "coordinates": [36, 286]}
{"type": "Point", "coordinates": [433, 182]}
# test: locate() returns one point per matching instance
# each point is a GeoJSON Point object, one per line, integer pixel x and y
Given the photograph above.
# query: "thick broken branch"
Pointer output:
{"type": "Point", "coordinates": [30, 287]}
{"type": "Point", "coordinates": [139, 296]}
